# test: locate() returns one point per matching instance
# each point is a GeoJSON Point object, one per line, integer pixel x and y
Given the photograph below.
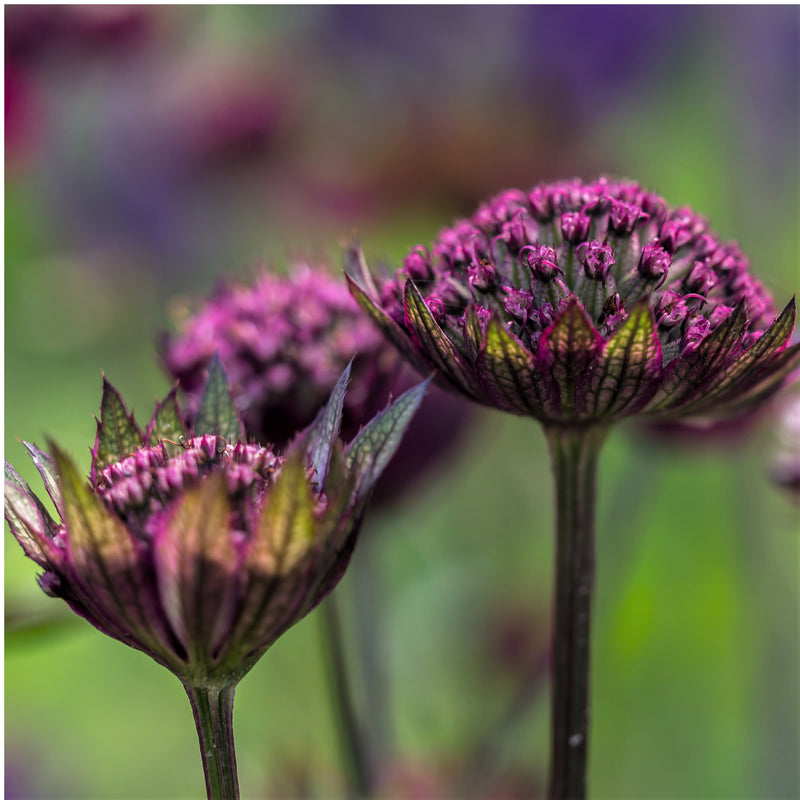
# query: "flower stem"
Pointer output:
{"type": "Point", "coordinates": [574, 452]}
{"type": "Point", "coordinates": [370, 639]}
{"type": "Point", "coordinates": [212, 707]}
{"type": "Point", "coordinates": [353, 744]}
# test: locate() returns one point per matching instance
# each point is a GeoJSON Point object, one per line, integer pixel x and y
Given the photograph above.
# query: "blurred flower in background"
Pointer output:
{"type": "Point", "coordinates": [143, 141]}
{"type": "Point", "coordinates": [453, 103]}
{"type": "Point", "coordinates": [284, 340]}
{"type": "Point", "coordinates": [42, 41]}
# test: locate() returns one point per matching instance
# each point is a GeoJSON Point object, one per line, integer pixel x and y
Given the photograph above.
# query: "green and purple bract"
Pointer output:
{"type": "Point", "coordinates": [580, 302]}
{"type": "Point", "coordinates": [195, 546]}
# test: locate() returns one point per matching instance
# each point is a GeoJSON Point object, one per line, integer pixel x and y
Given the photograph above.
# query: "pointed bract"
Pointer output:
{"type": "Point", "coordinates": [118, 435]}
{"type": "Point", "coordinates": [47, 469]}
{"type": "Point", "coordinates": [197, 569]}
{"type": "Point", "coordinates": [434, 342]}
{"type": "Point", "coordinates": [217, 414]}
{"type": "Point", "coordinates": [565, 351]}
{"type": "Point", "coordinates": [369, 453]}
{"type": "Point", "coordinates": [323, 431]}
{"type": "Point", "coordinates": [627, 367]}
{"type": "Point", "coordinates": [167, 425]}
{"type": "Point", "coordinates": [508, 371]}
{"type": "Point", "coordinates": [29, 522]}
{"type": "Point", "coordinates": [104, 566]}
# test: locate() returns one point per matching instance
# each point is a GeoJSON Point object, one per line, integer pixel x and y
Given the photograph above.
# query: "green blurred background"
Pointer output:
{"type": "Point", "coordinates": [151, 150]}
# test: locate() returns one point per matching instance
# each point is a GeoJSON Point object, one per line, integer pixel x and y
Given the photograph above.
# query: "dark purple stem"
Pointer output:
{"type": "Point", "coordinates": [212, 707]}
{"type": "Point", "coordinates": [354, 746]}
{"type": "Point", "coordinates": [574, 452]}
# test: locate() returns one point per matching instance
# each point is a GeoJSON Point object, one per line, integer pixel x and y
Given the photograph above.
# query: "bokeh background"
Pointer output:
{"type": "Point", "coordinates": [151, 150]}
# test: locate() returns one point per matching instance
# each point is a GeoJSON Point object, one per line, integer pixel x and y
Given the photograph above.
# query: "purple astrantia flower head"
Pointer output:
{"type": "Point", "coordinates": [586, 302]}
{"type": "Point", "coordinates": [284, 340]}
{"type": "Point", "coordinates": [194, 546]}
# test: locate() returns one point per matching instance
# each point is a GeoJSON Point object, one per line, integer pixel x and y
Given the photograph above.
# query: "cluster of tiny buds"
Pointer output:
{"type": "Point", "coordinates": [610, 243]}
{"type": "Point", "coordinates": [284, 341]}
{"type": "Point", "coordinates": [149, 478]}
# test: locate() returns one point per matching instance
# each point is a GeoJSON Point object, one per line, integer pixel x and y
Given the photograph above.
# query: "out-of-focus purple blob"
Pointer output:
{"type": "Point", "coordinates": [44, 32]}
{"type": "Point", "coordinates": [762, 66]}
{"type": "Point", "coordinates": [517, 642]}
{"type": "Point", "coordinates": [580, 57]}
{"type": "Point", "coordinates": [786, 462]}
{"type": "Point", "coordinates": [179, 147]}
{"type": "Point", "coordinates": [41, 41]}
{"type": "Point", "coordinates": [442, 77]}
{"type": "Point", "coordinates": [283, 341]}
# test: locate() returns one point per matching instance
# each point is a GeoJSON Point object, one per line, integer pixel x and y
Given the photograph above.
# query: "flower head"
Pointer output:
{"type": "Point", "coordinates": [195, 546]}
{"type": "Point", "coordinates": [284, 340]}
{"type": "Point", "coordinates": [601, 302]}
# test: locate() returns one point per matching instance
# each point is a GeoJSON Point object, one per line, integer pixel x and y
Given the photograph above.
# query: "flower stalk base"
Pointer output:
{"type": "Point", "coordinates": [574, 452]}
{"type": "Point", "coordinates": [212, 707]}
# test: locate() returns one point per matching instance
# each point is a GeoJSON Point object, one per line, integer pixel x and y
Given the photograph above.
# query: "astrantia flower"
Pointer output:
{"type": "Point", "coordinates": [580, 304]}
{"type": "Point", "coordinates": [194, 546]}
{"type": "Point", "coordinates": [586, 302]}
{"type": "Point", "coordinates": [283, 341]}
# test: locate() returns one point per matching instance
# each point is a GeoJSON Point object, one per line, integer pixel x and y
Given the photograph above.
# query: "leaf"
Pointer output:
{"type": "Point", "coordinates": [196, 567]}
{"type": "Point", "coordinates": [118, 435]}
{"type": "Point", "coordinates": [217, 414]}
{"type": "Point", "coordinates": [370, 452]}
{"type": "Point", "coordinates": [566, 349]}
{"type": "Point", "coordinates": [325, 428]}
{"type": "Point", "coordinates": [509, 371]}
{"type": "Point", "coordinates": [627, 366]}
{"type": "Point", "coordinates": [167, 424]}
